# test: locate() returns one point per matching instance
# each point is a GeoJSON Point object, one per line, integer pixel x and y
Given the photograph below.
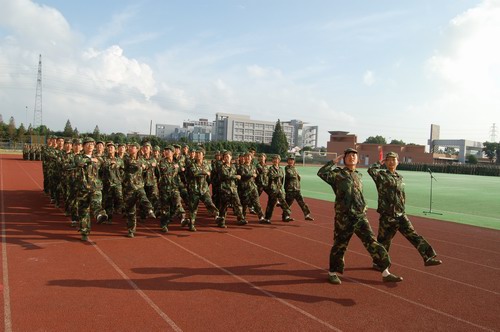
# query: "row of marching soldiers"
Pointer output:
{"type": "Point", "coordinates": [32, 152]}
{"type": "Point", "coordinates": [100, 180]}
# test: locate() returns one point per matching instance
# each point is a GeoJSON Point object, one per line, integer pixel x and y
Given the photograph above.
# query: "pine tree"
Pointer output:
{"type": "Point", "coordinates": [68, 130]}
{"type": "Point", "coordinates": [279, 143]}
{"type": "Point", "coordinates": [97, 133]}
{"type": "Point", "coordinates": [11, 129]}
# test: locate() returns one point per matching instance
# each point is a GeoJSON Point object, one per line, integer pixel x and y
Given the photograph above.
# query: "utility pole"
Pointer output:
{"type": "Point", "coordinates": [37, 112]}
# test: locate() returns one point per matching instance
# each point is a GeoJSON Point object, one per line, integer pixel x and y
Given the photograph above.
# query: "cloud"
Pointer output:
{"type": "Point", "coordinates": [466, 70]}
{"type": "Point", "coordinates": [369, 78]}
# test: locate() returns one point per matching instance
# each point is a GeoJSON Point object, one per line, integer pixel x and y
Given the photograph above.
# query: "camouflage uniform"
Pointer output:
{"type": "Point", "coordinates": [350, 216]}
{"type": "Point", "coordinates": [292, 189]}
{"type": "Point", "coordinates": [215, 180]}
{"type": "Point", "coordinates": [170, 198]}
{"type": "Point", "coordinates": [275, 192]}
{"type": "Point", "coordinates": [391, 207]}
{"type": "Point", "coordinates": [199, 190]}
{"type": "Point", "coordinates": [89, 195]}
{"type": "Point", "coordinates": [133, 191]}
{"type": "Point", "coordinates": [229, 195]}
{"type": "Point", "coordinates": [249, 195]}
{"type": "Point", "coordinates": [262, 177]}
{"type": "Point", "coordinates": [150, 183]}
{"type": "Point", "coordinates": [113, 173]}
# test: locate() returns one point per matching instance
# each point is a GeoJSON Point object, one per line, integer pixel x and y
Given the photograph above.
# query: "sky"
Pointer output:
{"type": "Point", "coordinates": [389, 68]}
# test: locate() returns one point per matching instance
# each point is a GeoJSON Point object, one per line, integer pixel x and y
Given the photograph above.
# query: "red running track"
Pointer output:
{"type": "Point", "coordinates": [244, 278]}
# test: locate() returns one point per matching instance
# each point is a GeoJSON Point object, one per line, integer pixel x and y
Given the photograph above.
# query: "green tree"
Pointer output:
{"type": "Point", "coordinates": [279, 143]}
{"type": "Point", "coordinates": [97, 133]}
{"type": "Point", "coordinates": [397, 142]}
{"type": "Point", "coordinates": [376, 140]}
{"type": "Point", "coordinates": [68, 130]}
{"type": "Point", "coordinates": [11, 129]}
{"type": "Point", "coordinates": [491, 150]}
{"type": "Point", "coordinates": [21, 132]}
{"type": "Point", "coordinates": [472, 159]}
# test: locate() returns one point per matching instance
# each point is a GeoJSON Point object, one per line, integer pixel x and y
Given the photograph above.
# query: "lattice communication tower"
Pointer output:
{"type": "Point", "coordinates": [37, 112]}
{"type": "Point", "coordinates": [493, 133]}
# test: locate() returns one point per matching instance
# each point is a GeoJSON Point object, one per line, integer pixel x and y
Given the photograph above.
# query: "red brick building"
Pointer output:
{"type": "Point", "coordinates": [370, 153]}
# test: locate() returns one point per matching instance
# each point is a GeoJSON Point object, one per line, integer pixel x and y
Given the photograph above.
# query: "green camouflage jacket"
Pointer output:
{"type": "Point", "coordinates": [112, 171]}
{"type": "Point", "coordinates": [292, 179]}
{"type": "Point", "coordinates": [347, 186]}
{"type": "Point", "coordinates": [275, 178]}
{"type": "Point", "coordinates": [169, 175]}
{"type": "Point", "coordinates": [227, 178]}
{"type": "Point", "coordinates": [133, 179]}
{"type": "Point", "coordinates": [87, 175]}
{"type": "Point", "coordinates": [198, 176]}
{"type": "Point", "coordinates": [391, 191]}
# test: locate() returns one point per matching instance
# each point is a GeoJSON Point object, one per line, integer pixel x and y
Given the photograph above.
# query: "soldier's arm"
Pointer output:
{"type": "Point", "coordinates": [328, 172]}
{"type": "Point", "coordinates": [374, 170]}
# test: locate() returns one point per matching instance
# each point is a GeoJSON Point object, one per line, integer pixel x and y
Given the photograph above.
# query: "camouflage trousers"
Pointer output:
{"type": "Point", "coordinates": [132, 197]}
{"type": "Point", "coordinates": [345, 227]}
{"type": "Point", "coordinates": [88, 201]}
{"type": "Point", "coordinates": [250, 199]}
{"type": "Point", "coordinates": [230, 198]}
{"type": "Point", "coordinates": [273, 198]}
{"type": "Point", "coordinates": [152, 195]}
{"type": "Point", "coordinates": [388, 226]}
{"type": "Point", "coordinates": [196, 198]}
{"type": "Point", "coordinates": [113, 199]}
{"type": "Point", "coordinates": [170, 206]}
{"type": "Point", "coordinates": [296, 195]}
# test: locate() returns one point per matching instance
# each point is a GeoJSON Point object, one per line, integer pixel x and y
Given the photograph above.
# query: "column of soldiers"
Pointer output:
{"type": "Point", "coordinates": [32, 152]}
{"type": "Point", "coordinates": [98, 180]}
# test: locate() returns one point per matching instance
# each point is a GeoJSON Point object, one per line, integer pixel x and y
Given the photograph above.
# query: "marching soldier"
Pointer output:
{"type": "Point", "coordinates": [112, 171]}
{"type": "Point", "coordinates": [89, 195]}
{"type": "Point", "coordinates": [275, 191]}
{"type": "Point", "coordinates": [133, 188]}
{"type": "Point", "coordinates": [350, 217]}
{"type": "Point", "coordinates": [292, 188]}
{"type": "Point", "coordinates": [170, 198]}
{"type": "Point", "coordinates": [391, 207]}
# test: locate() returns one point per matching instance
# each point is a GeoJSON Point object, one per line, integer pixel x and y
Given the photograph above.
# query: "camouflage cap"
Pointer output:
{"type": "Point", "coordinates": [111, 143]}
{"type": "Point", "coordinates": [263, 155]}
{"type": "Point", "coordinates": [135, 144]}
{"type": "Point", "coordinates": [147, 144]}
{"type": "Point", "coordinates": [391, 155]}
{"type": "Point", "coordinates": [122, 144]}
{"type": "Point", "coordinates": [350, 150]}
{"type": "Point", "coordinates": [88, 140]}
{"type": "Point", "coordinates": [201, 150]}
{"type": "Point", "coordinates": [99, 142]}
{"type": "Point", "coordinates": [185, 146]}
{"type": "Point", "coordinates": [68, 141]}
{"type": "Point", "coordinates": [77, 141]}
{"type": "Point", "coordinates": [227, 152]}
{"type": "Point", "coordinates": [276, 156]}
{"type": "Point", "coordinates": [217, 153]}
{"type": "Point", "coordinates": [177, 146]}
{"type": "Point", "coordinates": [291, 156]}
{"type": "Point", "coordinates": [156, 148]}
{"type": "Point", "coordinates": [169, 147]}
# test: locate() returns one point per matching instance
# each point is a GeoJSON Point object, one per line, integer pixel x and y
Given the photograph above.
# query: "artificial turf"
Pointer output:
{"type": "Point", "coordinates": [466, 199]}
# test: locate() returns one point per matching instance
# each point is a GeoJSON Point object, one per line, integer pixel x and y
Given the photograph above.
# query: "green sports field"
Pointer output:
{"type": "Point", "coordinates": [466, 199]}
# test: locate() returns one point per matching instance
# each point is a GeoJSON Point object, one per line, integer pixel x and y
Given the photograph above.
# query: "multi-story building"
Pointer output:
{"type": "Point", "coordinates": [369, 153]}
{"type": "Point", "coordinates": [240, 128]}
{"type": "Point", "coordinates": [192, 130]}
{"type": "Point", "coordinates": [303, 135]}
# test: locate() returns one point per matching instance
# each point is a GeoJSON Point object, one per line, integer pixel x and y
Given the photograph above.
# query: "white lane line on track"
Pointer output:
{"type": "Point", "coordinates": [146, 298]}
{"type": "Point", "coordinates": [5, 266]}
{"type": "Point", "coordinates": [288, 304]}
{"type": "Point", "coordinates": [366, 285]}
{"type": "Point", "coordinates": [396, 264]}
